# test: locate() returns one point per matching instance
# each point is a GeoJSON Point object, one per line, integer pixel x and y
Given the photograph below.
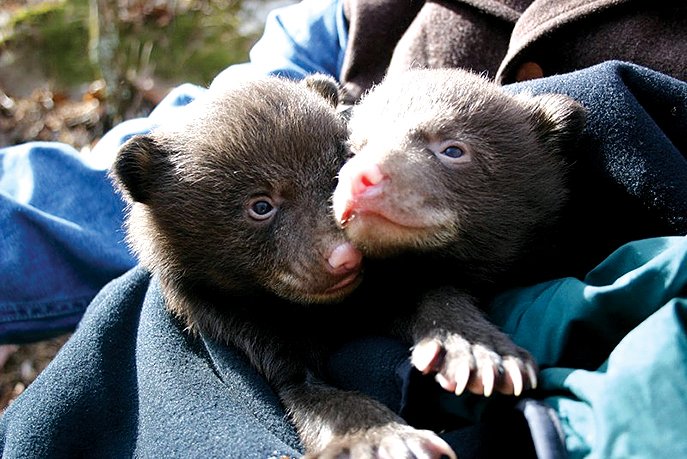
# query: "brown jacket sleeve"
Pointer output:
{"type": "Point", "coordinates": [562, 36]}
{"type": "Point", "coordinates": [511, 40]}
{"type": "Point", "coordinates": [392, 34]}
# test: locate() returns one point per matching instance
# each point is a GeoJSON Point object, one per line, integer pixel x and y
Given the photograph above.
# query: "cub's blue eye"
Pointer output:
{"type": "Point", "coordinates": [453, 152]}
{"type": "Point", "coordinates": [262, 207]}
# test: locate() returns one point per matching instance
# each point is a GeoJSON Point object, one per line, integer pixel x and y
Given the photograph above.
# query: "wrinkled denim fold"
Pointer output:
{"type": "Point", "coordinates": [62, 228]}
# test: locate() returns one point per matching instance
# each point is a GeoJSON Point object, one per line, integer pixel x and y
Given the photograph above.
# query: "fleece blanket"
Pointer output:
{"type": "Point", "coordinates": [611, 341]}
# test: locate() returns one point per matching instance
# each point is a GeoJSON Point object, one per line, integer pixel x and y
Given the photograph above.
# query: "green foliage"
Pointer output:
{"type": "Point", "coordinates": [128, 44]}
{"type": "Point", "coordinates": [176, 41]}
{"type": "Point", "coordinates": [55, 39]}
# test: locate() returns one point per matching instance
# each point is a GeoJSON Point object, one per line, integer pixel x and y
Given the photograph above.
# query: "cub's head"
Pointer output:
{"type": "Point", "coordinates": [447, 161]}
{"type": "Point", "coordinates": [235, 198]}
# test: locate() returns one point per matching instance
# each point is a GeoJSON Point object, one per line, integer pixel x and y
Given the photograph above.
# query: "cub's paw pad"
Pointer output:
{"type": "Point", "coordinates": [386, 442]}
{"type": "Point", "coordinates": [479, 368]}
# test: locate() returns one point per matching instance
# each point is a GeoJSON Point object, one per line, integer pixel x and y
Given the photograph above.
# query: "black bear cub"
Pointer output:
{"type": "Point", "coordinates": [230, 207]}
{"type": "Point", "coordinates": [460, 185]}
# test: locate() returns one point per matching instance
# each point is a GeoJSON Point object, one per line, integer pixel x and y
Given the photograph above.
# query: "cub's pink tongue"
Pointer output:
{"type": "Point", "coordinates": [345, 217]}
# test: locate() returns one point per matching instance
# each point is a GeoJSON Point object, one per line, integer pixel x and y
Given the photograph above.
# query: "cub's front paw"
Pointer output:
{"type": "Point", "coordinates": [480, 368]}
{"type": "Point", "coordinates": [392, 441]}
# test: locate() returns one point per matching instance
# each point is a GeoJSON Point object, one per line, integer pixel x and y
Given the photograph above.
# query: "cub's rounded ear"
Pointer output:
{"type": "Point", "coordinates": [558, 119]}
{"type": "Point", "coordinates": [325, 86]}
{"type": "Point", "coordinates": [135, 167]}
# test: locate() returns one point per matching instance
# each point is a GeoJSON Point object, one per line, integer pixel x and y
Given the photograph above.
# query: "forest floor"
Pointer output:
{"type": "Point", "coordinates": [19, 366]}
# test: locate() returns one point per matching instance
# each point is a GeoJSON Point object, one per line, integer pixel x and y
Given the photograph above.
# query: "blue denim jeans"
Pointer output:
{"type": "Point", "coordinates": [62, 237]}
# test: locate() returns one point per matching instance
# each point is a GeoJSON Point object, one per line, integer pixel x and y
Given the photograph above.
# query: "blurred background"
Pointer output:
{"type": "Point", "coordinates": [71, 69]}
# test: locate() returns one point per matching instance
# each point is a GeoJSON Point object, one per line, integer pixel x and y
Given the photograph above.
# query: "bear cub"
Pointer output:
{"type": "Point", "coordinates": [230, 207]}
{"type": "Point", "coordinates": [461, 184]}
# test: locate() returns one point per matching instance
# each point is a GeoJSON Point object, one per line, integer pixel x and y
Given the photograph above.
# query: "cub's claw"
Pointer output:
{"type": "Point", "coordinates": [463, 376]}
{"type": "Point", "coordinates": [488, 378]}
{"type": "Point", "coordinates": [532, 373]}
{"type": "Point", "coordinates": [426, 355]}
{"type": "Point", "coordinates": [514, 372]}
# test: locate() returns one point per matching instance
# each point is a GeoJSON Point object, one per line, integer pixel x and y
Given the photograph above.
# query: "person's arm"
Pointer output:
{"type": "Point", "coordinates": [307, 37]}
{"type": "Point", "coordinates": [304, 38]}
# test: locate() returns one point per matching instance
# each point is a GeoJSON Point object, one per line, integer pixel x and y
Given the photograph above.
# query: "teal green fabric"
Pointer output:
{"type": "Point", "coordinates": [633, 309]}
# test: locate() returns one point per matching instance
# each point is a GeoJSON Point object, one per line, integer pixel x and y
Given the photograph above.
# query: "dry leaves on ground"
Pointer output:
{"type": "Point", "coordinates": [23, 363]}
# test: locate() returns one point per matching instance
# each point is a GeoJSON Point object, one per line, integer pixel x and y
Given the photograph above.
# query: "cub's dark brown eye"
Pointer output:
{"type": "Point", "coordinates": [261, 208]}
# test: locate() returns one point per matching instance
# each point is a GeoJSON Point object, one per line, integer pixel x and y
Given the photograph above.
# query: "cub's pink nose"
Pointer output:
{"type": "Point", "coordinates": [345, 258]}
{"type": "Point", "coordinates": [366, 180]}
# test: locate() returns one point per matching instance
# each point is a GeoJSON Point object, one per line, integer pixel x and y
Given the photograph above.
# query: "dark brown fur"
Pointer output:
{"type": "Point", "coordinates": [267, 285]}
{"type": "Point", "coordinates": [468, 223]}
